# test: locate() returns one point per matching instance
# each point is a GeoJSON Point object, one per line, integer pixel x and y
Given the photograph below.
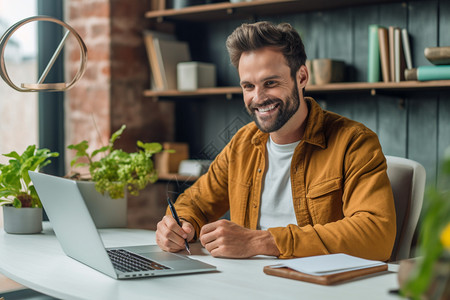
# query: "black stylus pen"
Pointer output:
{"type": "Point", "coordinates": [175, 216]}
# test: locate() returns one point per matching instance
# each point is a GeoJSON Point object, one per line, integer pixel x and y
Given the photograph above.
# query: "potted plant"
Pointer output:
{"type": "Point", "coordinates": [428, 277]}
{"type": "Point", "coordinates": [22, 209]}
{"type": "Point", "coordinates": [113, 173]}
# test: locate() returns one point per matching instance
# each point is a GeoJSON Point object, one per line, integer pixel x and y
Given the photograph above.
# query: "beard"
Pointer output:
{"type": "Point", "coordinates": [286, 110]}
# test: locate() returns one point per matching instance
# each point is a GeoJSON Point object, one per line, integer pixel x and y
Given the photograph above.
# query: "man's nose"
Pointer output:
{"type": "Point", "coordinates": [259, 95]}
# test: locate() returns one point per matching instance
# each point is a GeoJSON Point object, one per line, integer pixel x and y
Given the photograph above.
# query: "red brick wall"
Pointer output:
{"type": "Point", "coordinates": [88, 112]}
{"type": "Point", "coordinates": [147, 120]}
{"type": "Point", "coordinates": [111, 90]}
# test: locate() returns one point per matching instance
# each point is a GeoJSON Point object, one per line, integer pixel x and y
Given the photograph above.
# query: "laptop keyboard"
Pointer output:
{"type": "Point", "coordinates": [127, 261]}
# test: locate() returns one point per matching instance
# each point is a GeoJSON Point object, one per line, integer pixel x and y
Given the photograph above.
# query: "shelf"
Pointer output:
{"type": "Point", "coordinates": [347, 87]}
{"type": "Point", "coordinates": [205, 92]}
{"type": "Point", "coordinates": [248, 9]}
{"type": "Point", "coordinates": [374, 88]}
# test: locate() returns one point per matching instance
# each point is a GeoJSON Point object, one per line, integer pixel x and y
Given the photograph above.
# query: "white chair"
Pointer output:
{"type": "Point", "coordinates": [407, 179]}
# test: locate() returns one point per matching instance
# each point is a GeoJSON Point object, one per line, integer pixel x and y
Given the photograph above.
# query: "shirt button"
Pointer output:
{"type": "Point", "coordinates": [259, 170]}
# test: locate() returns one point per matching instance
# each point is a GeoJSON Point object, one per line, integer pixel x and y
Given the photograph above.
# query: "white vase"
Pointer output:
{"type": "Point", "coordinates": [25, 220]}
{"type": "Point", "coordinates": [105, 211]}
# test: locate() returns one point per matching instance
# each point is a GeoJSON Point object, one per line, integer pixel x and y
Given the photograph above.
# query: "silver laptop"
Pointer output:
{"type": "Point", "coordinates": [80, 240]}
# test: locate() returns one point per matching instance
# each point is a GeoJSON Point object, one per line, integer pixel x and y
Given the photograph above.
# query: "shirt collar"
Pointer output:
{"type": "Point", "coordinates": [314, 130]}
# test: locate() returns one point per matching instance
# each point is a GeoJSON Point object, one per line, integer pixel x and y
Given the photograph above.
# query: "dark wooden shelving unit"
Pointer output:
{"type": "Point", "coordinates": [247, 9]}
{"type": "Point", "coordinates": [349, 87]}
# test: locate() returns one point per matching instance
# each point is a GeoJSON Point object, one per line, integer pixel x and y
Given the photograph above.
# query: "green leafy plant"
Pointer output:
{"type": "Point", "coordinates": [434, 239]}
{"type": "Point", "coordinates": [117, 169]}
{"type": "Point", "coordinates": [16, 188]}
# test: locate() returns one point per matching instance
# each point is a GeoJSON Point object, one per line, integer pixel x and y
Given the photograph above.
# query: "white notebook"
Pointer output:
{"type": "Point", "coordinates": [329, 264]}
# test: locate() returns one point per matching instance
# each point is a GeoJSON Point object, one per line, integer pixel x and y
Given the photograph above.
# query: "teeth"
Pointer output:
{"type": "Point", "coordinates": [266, 108]}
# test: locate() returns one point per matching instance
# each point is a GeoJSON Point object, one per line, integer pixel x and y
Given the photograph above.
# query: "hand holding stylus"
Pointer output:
{"type": "Point", "coordinates": [164, 233]}
{"type": "Point", "coordinates": [175, 216]}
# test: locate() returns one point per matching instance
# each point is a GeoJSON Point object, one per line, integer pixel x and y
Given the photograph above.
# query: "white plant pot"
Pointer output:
{"type": "Point", "coordinates": [25, 220]}
{"type": "Point", "coordinates": [106, 212]}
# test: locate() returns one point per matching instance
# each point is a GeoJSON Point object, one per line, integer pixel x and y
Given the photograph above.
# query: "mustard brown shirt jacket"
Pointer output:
{"type": "Point", "coordinates": [342, 196]}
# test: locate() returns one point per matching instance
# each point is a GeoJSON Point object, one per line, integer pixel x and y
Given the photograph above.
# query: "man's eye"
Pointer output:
{"type": "Point", "coordinates": [270, 83]}
{"type": "Point", "coordinates": [247, 86]}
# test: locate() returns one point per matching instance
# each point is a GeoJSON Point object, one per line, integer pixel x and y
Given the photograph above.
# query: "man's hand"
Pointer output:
{"type": "Point", "coordinates": [170, 237]}
{"type": "Point", "coordinates": [227, 239]}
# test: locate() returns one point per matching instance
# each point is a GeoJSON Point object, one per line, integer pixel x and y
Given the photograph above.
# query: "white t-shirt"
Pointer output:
{"type": "Point", "coordinates": [277, 207]}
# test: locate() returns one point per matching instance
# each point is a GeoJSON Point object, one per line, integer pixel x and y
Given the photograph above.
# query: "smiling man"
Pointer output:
{"type": "Point", "coordinates": [298, 181]}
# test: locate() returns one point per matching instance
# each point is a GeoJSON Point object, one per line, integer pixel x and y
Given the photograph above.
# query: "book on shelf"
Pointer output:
{"type": "Point", "coordinates": [169, 54]}
{"type": "Point", "coordinates": [407, 48]}
{"type": "Point", "coordinates": [399, 57]}
{"type": "Point", "coordinates": [426, 73]}
{"type": "Point", "coordinates": [391, 52]}
{"type": "Point", "coordinates": [158, 4]}
{"type": "Point", "coordinates": [394, 52]}
{"type": "Point", "coordinates": [164, 52]}
{"type": "Point", "coordinates": [384, 53]}
{"type": "Point", "coordinates": [155, 82]}
{"type": "Point", "coordinates": [438, 55]}
{"type": "Point", "coordinates": [373, 66]}
{"type": "Point", "coordinates": [156, 79]}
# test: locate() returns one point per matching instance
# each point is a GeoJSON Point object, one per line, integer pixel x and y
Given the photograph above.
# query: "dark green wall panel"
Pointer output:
{"type": "Point", "coordinates": [393, 14]}
{"type": "Point", "coordinates": [423, 28]}
{"type": "Point", "coordinates": [443, 127]}
{"type": "Point", "coordinates": [422, 134]}
{"type": "Point", "coordinates": [415, 126]}
{"type": "Point", "coordinates": [392, 128]}
{"type": "Point", "coordinates": [444, 98]}
{"type": "Point", "coordinates": [362, 18]}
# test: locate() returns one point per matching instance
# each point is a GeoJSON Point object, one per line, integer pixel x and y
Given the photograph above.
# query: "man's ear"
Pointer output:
{"type": "Point", "coordinates": [302, 77]}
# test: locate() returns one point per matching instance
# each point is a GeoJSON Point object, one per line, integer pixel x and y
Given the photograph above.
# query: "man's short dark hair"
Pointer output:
{"type": "Point", "coordinates": [283, 37]}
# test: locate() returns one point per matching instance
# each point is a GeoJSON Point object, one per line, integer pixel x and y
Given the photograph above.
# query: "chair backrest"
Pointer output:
{"type": "Point", "coordinates": [407, 179]}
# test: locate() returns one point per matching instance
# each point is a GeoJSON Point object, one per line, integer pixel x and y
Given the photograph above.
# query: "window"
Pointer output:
{"type": "Point", "coordinates": [19, 111]}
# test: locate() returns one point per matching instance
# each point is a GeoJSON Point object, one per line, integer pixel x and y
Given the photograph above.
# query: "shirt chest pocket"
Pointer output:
{"type": "Point", "coordinates": [325, 201]}
{"type": "Point", "coordinates": [239, 196]}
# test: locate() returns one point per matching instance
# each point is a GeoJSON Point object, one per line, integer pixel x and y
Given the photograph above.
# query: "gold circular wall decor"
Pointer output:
{"type": "Point", "coordinates": [40, 86]}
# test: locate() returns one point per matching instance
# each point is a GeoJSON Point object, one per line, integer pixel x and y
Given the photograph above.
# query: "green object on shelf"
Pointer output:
{"type": "Point", "coordinates": [373, 57]}
{"type": "Point", "coordinates": [426, 73]}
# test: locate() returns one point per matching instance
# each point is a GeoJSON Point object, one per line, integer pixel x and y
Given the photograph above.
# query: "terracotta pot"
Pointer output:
{"type": "Point", "coordinates": [328, 71]}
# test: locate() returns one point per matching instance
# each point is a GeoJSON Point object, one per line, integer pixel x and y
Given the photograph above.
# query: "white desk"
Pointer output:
{"type": "Point", "coordinates": [37, 261]}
